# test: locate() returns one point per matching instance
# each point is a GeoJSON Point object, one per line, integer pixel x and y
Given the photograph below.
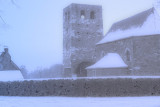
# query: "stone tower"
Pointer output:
{"type": "Point", "coordinates": [82, 29]}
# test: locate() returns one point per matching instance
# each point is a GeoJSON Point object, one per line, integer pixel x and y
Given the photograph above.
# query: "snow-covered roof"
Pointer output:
{"type": "Point", "coordinates": [111, 60]}
{"type": "Point", "coordinates": [11, 75]}
{"type": "Point", "coordinates": [142, 24]}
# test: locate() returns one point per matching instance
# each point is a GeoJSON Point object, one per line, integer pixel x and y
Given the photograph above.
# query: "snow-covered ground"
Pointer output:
{"type": "Point", "coordinates": [79, 102]}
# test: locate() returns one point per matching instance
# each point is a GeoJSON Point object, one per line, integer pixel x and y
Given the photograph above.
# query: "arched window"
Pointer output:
{"type": "Point", "coordinates": [92, 15]}
{"type": "Point", "coordinates": [128, 55]}
{"type": "Point", "coordinates": [82, 14]}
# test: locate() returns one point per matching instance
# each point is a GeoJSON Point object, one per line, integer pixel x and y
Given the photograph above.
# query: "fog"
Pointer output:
{"type": "Point", "coordinates": [33, 29]}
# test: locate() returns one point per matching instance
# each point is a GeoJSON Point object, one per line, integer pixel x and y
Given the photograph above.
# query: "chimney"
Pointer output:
{"type": "Point", "coordinates": [6, 50]}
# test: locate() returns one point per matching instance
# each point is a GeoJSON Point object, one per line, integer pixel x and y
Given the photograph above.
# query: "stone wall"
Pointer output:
{"type": "Point", "coordinates": [146, 55]}
{"type": "Point", "coordinates": [83, 87]}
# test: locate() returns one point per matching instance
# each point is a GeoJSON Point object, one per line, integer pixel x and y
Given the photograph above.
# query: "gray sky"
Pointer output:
{"type": "Point", "coordinates": [34, 29]}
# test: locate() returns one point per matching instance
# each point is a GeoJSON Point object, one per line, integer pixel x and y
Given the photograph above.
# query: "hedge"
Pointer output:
{"type": "Point", "coordinates": [82, 87]}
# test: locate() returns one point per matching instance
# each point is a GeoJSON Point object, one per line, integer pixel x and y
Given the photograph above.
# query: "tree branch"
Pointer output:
{"type": "Point", "coordinates": [14, 3]}
{"type": "Point", "coordinates": [2, 19]}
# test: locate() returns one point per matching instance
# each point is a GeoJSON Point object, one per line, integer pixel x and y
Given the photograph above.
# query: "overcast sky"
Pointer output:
{"type": "Point", "coordinates": [34, 28]}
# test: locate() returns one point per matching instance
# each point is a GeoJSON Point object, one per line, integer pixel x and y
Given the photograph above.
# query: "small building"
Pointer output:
{"type": "Point", "coordinates": [9, 71]}
{"type": "Point", "coordinates": [110, 65]}
{"type": "Point", "coordinates": [5, 61]}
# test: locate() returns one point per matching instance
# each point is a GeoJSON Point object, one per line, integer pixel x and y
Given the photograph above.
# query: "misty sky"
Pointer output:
{"type": "Point", "coordinates": [34, 28]}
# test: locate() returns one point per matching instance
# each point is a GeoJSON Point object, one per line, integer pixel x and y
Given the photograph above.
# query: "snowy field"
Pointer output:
{"type": "Point", "coordinates": [79, 102]}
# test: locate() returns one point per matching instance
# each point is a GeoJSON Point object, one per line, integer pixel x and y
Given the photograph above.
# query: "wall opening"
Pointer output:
{"type": "Point", "coordinates": [82, 15]}
{"type": "Point", "coordinates": [80, 70]}
{"type": "Point", "coordinates": [92, 15]}
{"type": "Point", "coordinates": [128, 55]}
{"type": "Point", "coordinates": [102, 54]}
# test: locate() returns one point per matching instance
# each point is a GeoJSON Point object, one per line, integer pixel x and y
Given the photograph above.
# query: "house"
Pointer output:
{"type": "Point", "coordinates": [5, 61]}
{"type": "Point", "coordinates": [8, 69]}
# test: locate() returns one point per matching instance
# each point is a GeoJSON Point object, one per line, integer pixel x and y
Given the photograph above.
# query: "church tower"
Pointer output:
{"type": "Point", "coordinates": [82, 29]}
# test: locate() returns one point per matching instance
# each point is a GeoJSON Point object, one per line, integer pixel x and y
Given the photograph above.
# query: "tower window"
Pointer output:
{"type": "Point", "coordinates": [92, 15]}
{"type": "Point", "coordinates": [82, 14]}
{"type": "Point", "coordinates": [102, 54]}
